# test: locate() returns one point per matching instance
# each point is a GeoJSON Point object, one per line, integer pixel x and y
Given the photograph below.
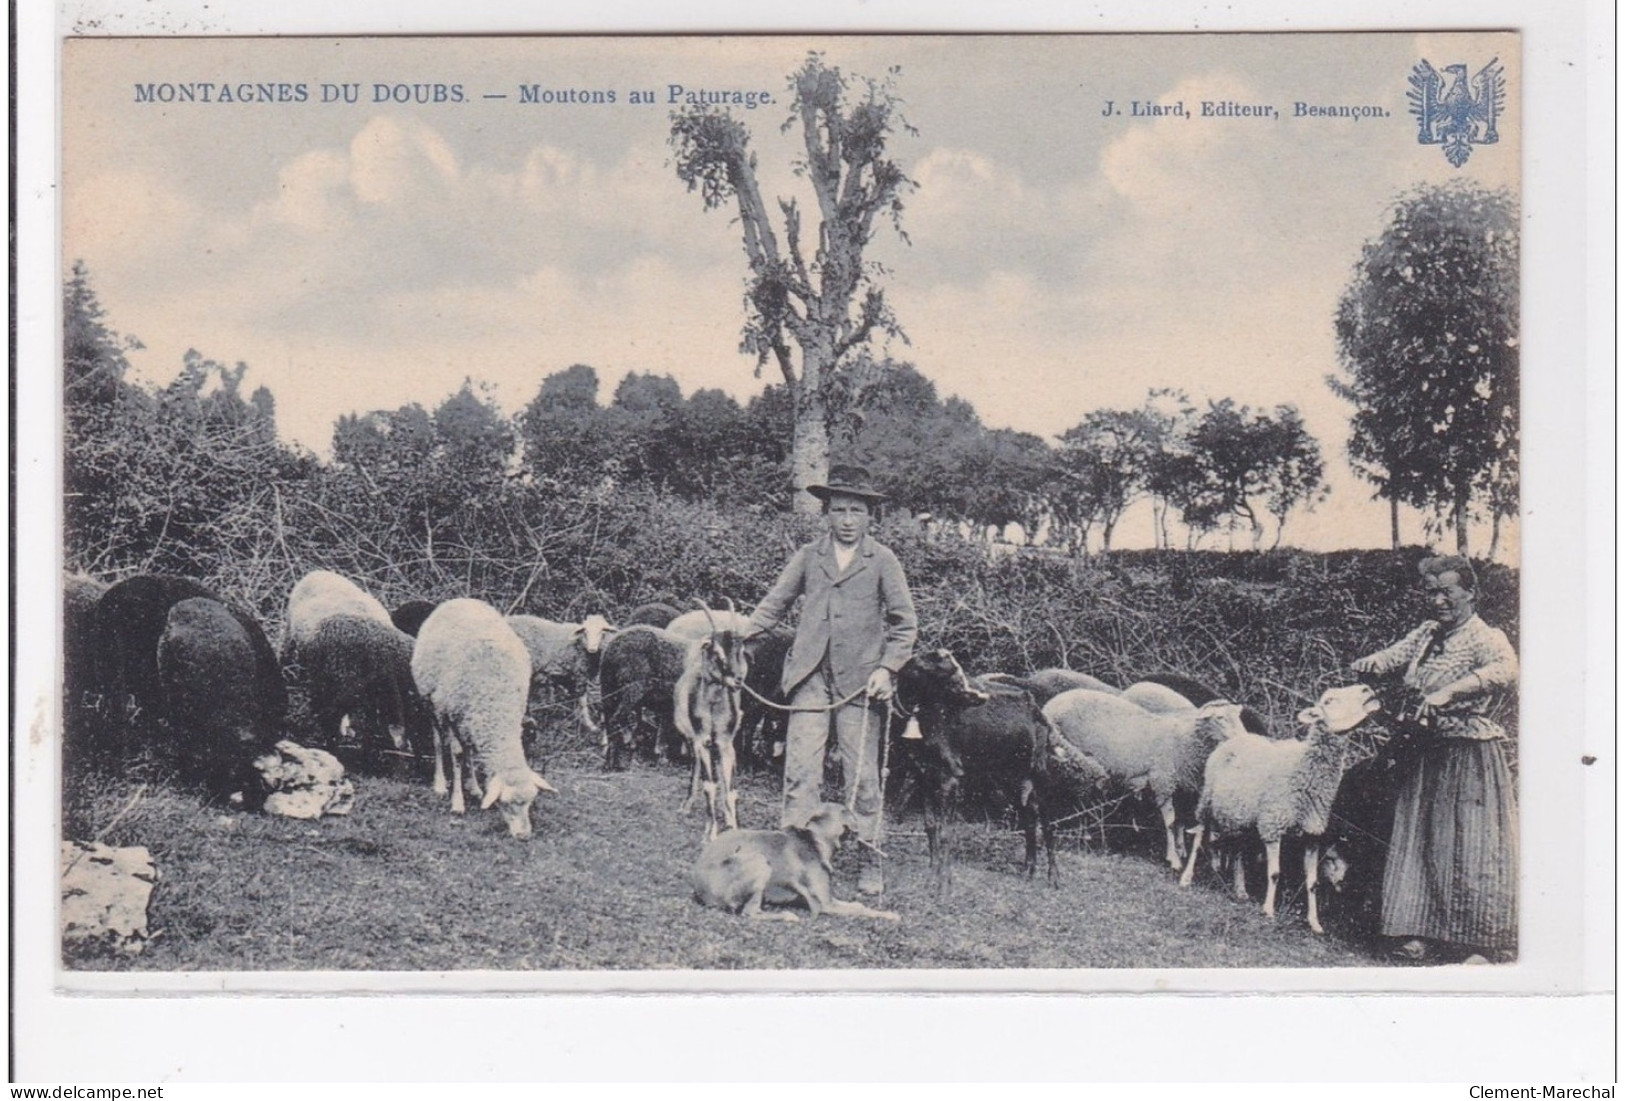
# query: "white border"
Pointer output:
{"type": "Point", "coordinates": [1568, 141]}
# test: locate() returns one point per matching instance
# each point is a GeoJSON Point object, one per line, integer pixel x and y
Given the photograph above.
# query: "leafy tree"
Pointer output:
{"type": "Point", "coordinates": [1105, 461]}
{"type": "Point", "coordinates": [564, 431]}
{"type": "Point", "coordinates": [1427, 334]}
{"type": "Point", "coordinates": [1240, 462]}
{"type": "Point", "coordinates": [826, 305]}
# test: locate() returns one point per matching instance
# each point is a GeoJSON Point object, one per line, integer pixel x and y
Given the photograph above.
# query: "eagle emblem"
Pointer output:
{"type": "Point", "coordinates": [1456, 112]}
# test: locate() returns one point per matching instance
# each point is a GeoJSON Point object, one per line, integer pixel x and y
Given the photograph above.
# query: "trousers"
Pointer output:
{"type": "Point", "coordinates": [806, 741]}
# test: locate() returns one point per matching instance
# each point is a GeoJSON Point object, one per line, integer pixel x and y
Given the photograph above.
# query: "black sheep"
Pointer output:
{"type": "Point", "coordinates": [125, 627]}
{"type": "Point", "coordinates": [762, 727]}
{"type": "Point", "coordinates": [224, 698]}
{"type": "Point", "coordinates": [654, 614]}
{"type": "Point", "coordinates": [410, 616]}
{"type": "Point", "coordinates": [360, 668]}
{"type": "Point", "coordinates": [1199, 694]}
{"type": "Point", "coordinates": [991, 733]}
{"type": "Point", "coordinates": [638, 670]}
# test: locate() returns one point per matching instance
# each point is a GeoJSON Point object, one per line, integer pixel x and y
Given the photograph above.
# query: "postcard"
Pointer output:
{"type": "Point", "coordinates": [787, 514]}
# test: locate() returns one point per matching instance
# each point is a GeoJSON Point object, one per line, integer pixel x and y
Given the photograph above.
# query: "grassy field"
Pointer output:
{"type": "Point", "coordinates": [402, 884]}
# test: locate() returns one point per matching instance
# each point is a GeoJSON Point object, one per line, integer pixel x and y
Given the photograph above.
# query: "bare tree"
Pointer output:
{"type": "Point", "coordinates": [829, 304]}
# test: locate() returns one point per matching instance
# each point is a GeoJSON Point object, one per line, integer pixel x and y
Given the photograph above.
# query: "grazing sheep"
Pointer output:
{"type": "Point", "coordinates": [1272, 788]}
{"type": "Point", "coordinates": [360, 674]}
{"type": "Point", "coordinates": [702, 621]}
{"type": "Point", "coordinates": [638, 671]}
{"type": "Point", "coordinates": [224, 696]}
{"type": "Point", "coordinates": [409, 617]}
{"type": "Point", "coordinates": [1162, 754]}
{"type": "Point", "coordinates": [991, 733]}
{"type": "Point", "coordinates": [319, 595]}
{"type": "Point", "coordinates": [1157, 698]}
{"type": "Point", "coordinates": [565, 655]}
{"type": "Point", "coordinates": [125, 626]}
{"type": "Point", "coordinates": [654, 614]}
{"type": "Point", "coordinates": [1197, 693]}
{"type": "Point", "coordinates": [706, 710]}
{"type": "Point", "coordinates": [1046, 684]}
{"type": "Point", "coordinates": [475, 672]}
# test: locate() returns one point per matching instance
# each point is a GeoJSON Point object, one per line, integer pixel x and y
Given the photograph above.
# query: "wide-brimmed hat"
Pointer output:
{"type": "Point", "coordinates": [848, 481]}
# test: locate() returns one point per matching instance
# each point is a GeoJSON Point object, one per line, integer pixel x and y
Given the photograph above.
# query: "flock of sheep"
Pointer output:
{"type": "Point", "coordinates": [163, 662]}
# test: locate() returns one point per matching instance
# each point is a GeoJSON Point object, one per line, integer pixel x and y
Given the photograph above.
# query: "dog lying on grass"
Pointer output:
{"type": "Point", "coordinates": [739, 870]}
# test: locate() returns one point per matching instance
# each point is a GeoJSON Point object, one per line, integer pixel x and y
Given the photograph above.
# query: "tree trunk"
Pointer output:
{"type": "Point", "coordinates": [1106, 536]}
{"type": "Point", "coordinates": [1461, 525]}
{"type": "Point", "coordinates": [1393, 520]}
{"type": "Point", "coordinates": [809, 453]}
{"type": "Point", "coordinates": [1495, 533]}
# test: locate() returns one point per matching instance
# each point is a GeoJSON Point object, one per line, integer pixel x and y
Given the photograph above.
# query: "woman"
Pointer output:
{"type": "Point", "coordinates": [1450, 885]}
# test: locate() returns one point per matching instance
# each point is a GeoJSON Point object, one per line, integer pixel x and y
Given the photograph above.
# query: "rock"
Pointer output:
{"type": "Point", "coordinates": [304, 783]}
{"type": "Point", "coordinates": [105, 892]}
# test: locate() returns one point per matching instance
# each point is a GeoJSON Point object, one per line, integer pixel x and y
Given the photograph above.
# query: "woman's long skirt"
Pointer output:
{"type": "Point", "coordinates": [1452, 871]}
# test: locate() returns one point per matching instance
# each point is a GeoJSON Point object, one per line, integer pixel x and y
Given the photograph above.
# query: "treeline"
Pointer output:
{"type": "Point", "coordinates": [581, 506]}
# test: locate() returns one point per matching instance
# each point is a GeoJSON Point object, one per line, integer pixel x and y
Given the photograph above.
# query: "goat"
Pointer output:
{"type": "Point", "coordinates": [994, 732]}
{"type": "Point", "coordinates": [706, 710]}
{"type": "Point", "coordinates": [1257, 785]}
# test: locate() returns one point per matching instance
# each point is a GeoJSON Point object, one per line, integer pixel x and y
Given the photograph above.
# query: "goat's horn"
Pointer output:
{"type": "Point", "coordinates": [708, 618]}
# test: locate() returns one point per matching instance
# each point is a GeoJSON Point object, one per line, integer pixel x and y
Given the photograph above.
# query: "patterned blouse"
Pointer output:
{"type": "Point", "coordinates": [1432, 662]}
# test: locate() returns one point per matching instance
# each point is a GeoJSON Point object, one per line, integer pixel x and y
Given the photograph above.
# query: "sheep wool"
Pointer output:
{"type": "Point", "coordinates": [320, 595]}
{"type": "Point", "coordinates": [474, 670]}
{"type": "Point", "coordinates": [1253, 784]}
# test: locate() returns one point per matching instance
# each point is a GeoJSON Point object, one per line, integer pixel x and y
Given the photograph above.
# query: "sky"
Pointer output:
{"type": "Point", "coordinates": [1060, 259]}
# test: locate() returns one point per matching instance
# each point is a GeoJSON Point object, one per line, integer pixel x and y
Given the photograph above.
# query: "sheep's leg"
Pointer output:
{"type": "Point", "coordinates": [456, 750]}
{"type": "Point", "coordinates": [1238, 874]}
{"type": "Point", "coordinates": [1176, 848]}
{"type": "Point", "coordinates": [1189, 875]}
{"type": "Point", "coordinates": [440, 749]}
{"type": "Point", "coordinates": [1311, 882]}
{"type": "Point", "coordinates": [1272, 855]}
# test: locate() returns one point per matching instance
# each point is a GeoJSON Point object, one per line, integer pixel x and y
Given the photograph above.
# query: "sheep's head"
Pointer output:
{"type": "Point", "coordinates": [512, 795]}
{"type": "Point", "coordinates": [1218, 720]}
{"type": "Point", "coordinates": [592, 631]}
{"type": "Point", "coordinates": [1342, 709]}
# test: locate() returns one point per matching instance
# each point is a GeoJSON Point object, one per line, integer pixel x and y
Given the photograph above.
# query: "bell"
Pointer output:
{"type": "Point", "coordinates": [912, 730]}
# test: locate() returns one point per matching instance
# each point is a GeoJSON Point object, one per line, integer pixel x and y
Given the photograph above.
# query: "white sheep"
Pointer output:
{"type": "Point", "coordinates": [1162, 754]}
{"type": "Point", "coordinates": [702, 623]}
{"type": "Point", "coordinates": [320, 595]}
{"type": "Point", "coordinates": [470, 665]}
{"type": "Point", "coordinates": [1157, 698]}
{"type": "Point", "coordinates": [1276, 787]}
{"type": "Point", "coordinates": [565, 654]}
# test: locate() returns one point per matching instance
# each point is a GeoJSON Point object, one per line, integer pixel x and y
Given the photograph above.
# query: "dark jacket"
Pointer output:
{"type": "Point", "coordinates": [862, 618]}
